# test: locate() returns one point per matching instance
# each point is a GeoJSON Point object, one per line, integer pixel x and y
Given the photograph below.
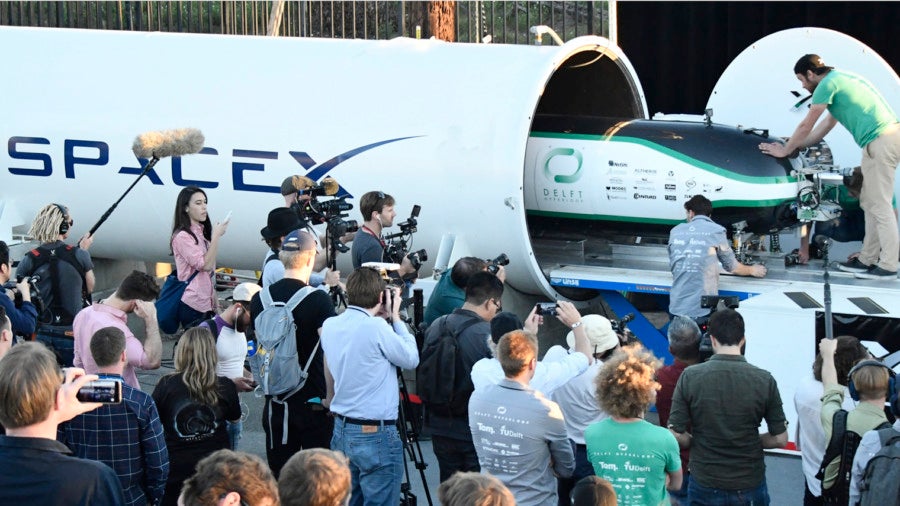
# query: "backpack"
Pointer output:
{"type": "Point", "coordinates": [880, 485]}
{"type": "Point", "coordinates": [58, 314]}
{"type": "Point", "coordinates": [273, 255]}
{"type": "Point", "coordinates": [843, 444]}
{"type": "Point", "coordinates": [437, 382]}
{"type": "Point", "coordinates": [212, 326]}
{"type": "Point", "coordinates": [275, 365]}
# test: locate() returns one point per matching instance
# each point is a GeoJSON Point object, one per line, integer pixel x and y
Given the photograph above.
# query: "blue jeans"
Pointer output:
{"type": "Point", "coordinates": [234, 432]}
{"type": "Point", "coordinates": [680, 497]}
{"type": "Point", "coordinates": [376, 462]}
{"type": "Point", "coordinates": [849, 226]}
{"type": "Point", "coordinates": [189, 317]}
{"type": "Point", "coordinates": [698, 495]}
{"type": "Point", "coordinates": [61, 345]}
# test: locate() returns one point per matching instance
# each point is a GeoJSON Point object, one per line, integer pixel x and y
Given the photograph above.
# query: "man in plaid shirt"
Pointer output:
{"type": "Point", "coordinates": [128, 437]}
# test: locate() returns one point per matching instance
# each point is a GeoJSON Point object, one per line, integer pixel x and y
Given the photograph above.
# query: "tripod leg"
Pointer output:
{"type": "Point", "coordinates": [409, 433]}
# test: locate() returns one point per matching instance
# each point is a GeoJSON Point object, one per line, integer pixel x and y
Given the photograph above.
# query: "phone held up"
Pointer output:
{"type": "Point", "coordinates": [105, 391]}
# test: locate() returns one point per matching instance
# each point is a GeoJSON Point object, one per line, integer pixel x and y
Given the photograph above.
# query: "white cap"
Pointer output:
{"type": "Point", "coordinates": [599, 332]}
{"type": "Point", "coordinates": [244, 292]}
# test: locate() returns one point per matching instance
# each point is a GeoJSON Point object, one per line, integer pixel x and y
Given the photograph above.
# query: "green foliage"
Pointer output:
{"type": "Point", "coordinates": [505, 22]}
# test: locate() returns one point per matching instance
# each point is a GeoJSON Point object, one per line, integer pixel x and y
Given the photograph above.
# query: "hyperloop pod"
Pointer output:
{"type": "Point", "coordinates": [500, 145]}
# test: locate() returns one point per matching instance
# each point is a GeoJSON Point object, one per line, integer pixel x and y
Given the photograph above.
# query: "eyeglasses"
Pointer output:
{"type": "Point", "coordinates": [497, 304]}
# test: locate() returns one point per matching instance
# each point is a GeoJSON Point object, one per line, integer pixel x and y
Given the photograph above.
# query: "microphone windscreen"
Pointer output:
{"type": "Point", "coordinates": [331, 186]}
{"type": "Point", "coordinates": [183, 141]}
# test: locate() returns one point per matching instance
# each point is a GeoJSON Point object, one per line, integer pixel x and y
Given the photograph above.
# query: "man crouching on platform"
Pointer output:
{"type": "Point", "coordinates": [362, 353]}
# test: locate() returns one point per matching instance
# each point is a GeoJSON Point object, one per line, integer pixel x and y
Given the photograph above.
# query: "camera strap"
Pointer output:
{"type": "Point", "coordinates": [377, 236]}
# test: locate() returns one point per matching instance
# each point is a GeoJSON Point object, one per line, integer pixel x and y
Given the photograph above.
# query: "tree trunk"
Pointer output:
{"type": "Point", "coordinates": [442, 20]}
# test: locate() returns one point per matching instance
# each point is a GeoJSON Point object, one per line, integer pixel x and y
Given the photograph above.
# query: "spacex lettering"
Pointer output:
{"type": "Point", "coordinates": [78, 152]}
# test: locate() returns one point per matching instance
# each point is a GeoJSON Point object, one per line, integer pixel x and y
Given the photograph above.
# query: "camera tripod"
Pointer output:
{"type": "Point", "coordinates": [338, 297]}
{"type": "Point", "coordinates": [409, 433]}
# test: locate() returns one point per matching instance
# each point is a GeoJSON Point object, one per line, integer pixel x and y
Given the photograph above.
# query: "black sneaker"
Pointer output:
{"type": "Point", "coordinates": [876, 273]}
{"type": "Point", "coordinates": [854, 266]}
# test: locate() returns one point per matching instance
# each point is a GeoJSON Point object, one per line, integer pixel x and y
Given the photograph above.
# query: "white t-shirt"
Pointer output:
{"type": "Point", "coordinates": [232, 350]}
{"type": "Point", "coordinates": [578, 401]}
{"type": "Point", "coordinates": [554, 371]}
{"type": "Point", "coordinates": [273, 270]}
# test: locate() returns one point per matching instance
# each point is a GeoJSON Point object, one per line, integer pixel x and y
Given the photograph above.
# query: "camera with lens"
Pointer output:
{"type": "Point", "coordinates": [35, 293]}
{"type": "Point", "coordinates": [337, 225]}
{"type": "Point", "coordinates": [711, 302]}
{"type": "Point", "coordinates": [331, 212]}
{"type": "Point", "coordinates": [397, 244]}
{"type": "Point", "coordinates": [619, 326]}
{"type": "Point", "coordinates": [493, 266]}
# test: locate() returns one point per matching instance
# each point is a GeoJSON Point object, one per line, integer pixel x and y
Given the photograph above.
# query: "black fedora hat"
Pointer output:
{"type": "Point", "coordinates": [280, 222]}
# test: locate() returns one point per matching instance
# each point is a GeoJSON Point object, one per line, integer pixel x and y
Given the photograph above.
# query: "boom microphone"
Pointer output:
{"type": "Point", "coordinates": [326, 187]}
{"type": "Point", "coordinates": [156, 145]}
{"type": "Point", "coordinates": [183, 141]}
{"type": "Point", "coordinates": [330, 185]}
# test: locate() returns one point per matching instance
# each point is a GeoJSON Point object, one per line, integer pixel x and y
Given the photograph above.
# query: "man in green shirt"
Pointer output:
{"type": "Point", "coordinates": [722, 401]}
{"type": "Point", "coordinates": [853, 101]}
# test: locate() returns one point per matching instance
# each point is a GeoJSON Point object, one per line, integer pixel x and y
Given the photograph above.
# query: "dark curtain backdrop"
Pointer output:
{"type": "Point", "coordinates": [679, 49]}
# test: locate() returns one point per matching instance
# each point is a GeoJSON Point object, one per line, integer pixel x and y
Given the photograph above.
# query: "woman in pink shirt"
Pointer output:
{"type": "Point", "coordinates": [195, 242]}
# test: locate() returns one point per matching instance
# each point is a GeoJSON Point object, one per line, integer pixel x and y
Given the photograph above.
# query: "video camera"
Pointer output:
{"type": "Point", "coordinates": [493, 266]}
{"type": "Point", "coordinates": [397, 244]}
{"type": "Point", "coordinates": [711, 302]}
{"type": "Point", "coordinates": [332, 212]}
{"type": "Point", "coordinates": [619, 326]}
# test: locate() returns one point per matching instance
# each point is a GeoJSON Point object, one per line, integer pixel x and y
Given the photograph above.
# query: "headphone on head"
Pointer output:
{"type": "Point", "coordinates": [892, 382]}
{"type": "Point", "coordinates": [64, 226]}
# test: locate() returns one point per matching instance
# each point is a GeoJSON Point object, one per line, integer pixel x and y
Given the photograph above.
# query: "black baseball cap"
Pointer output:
{"type": "Point", "coordinates": [502, 323]}
{"type": "Point", "coordinates": [812, 62]}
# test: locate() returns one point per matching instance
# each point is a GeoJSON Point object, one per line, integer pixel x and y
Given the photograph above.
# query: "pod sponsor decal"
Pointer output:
{"type": "Point", "coordinates": [562, 166]}
{"type": "Point", "coordinates": [560, 195]}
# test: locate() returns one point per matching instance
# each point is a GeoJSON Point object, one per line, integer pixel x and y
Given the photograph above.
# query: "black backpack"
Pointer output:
{"type": "Point", "coordinates": [843, 444]}
{"type": "Point", "coordinates": [273, 255]}
{"type": "Point", "coordinates": [213, 327]}
{"type": "Point", "coordinates": [881, 481]}
{"type": "Point", "coordinates": [56, 313]}
{"type": "Point", "coordinates": [440, 381]}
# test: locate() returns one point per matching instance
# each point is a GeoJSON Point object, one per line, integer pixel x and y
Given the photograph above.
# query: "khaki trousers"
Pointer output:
{"type": "Point", "coordinates": [880, 158]}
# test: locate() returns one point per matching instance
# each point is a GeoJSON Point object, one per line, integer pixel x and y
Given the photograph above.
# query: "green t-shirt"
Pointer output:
{"type": "Point", "coordinates": [841, 195]}
{"type": "Point", "coordinates": [634, 457]}
{"type": "Point", "coordinates": [856, 104]}
{"type": "Point", "coordinates": [864, 418]}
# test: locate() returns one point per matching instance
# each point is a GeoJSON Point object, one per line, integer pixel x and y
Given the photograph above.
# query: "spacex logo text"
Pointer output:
{"type": "Point", "coordinates": [79, 154]}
